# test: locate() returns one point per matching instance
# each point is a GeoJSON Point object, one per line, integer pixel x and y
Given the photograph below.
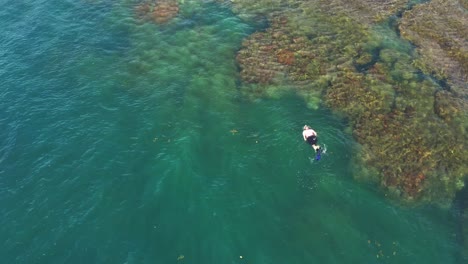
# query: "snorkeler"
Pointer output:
{"type": "Point", "coordinates": [310, 136]}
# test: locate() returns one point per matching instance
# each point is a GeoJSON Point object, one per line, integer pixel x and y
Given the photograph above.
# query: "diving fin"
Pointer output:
{"type": "Point", "coordinates": [318, 155]}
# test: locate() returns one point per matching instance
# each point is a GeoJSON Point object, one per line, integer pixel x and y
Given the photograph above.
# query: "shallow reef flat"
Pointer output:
{"type": "Point", "coordinates": [161, 11]}
{"type": "Point", "coordinates": [439, 29]}
{"type": "Point", "coordinates": [366, 10]}
{"type": "Point", "coordinates": [410, 123]}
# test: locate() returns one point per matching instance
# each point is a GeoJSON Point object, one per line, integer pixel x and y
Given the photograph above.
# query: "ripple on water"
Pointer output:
{"type": "Point", "coordinates": [146, 152]}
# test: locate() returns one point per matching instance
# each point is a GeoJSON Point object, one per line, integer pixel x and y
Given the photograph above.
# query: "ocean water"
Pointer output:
{"type": "Point", "coordinates": [124, 141]}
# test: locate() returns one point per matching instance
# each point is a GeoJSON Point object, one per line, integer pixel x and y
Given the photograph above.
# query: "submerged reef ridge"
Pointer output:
{"type": "Point", "coordinates": [411, 128]}
{"type": "Point", "coordinates": [159, 11]}
{"type": "Point", "coordinates": [439, 29]}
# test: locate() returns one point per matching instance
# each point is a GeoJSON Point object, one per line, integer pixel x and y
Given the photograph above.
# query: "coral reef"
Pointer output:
{"type": "Point", "coordinates": [463, 3]}
{"type": "Point", "coordinates": [365, 10]}
{"type": "Point", "coordinates": [439, 29]}
{"type": "Point", "coordinates": [412, 130]}
{"type": "Point", "coordinates": [368, 11]}
{"type": "Point", "coordinates": [159, 11]}
{"type": "Point", "coordinates": [267, 55]}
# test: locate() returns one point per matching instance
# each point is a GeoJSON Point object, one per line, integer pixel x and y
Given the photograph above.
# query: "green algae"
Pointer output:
{"type": "Point", "coordinates": [439, 30]}
{"type": "Point", "coordinates": [464, 3]}
{"type": "Point", "coordinates": [412, 134]}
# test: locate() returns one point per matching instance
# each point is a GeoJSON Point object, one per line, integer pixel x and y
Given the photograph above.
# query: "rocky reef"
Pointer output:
{"type": "Point", "coordinates": [159, 11]}
{"type": "Point", "coordinates": [439, 29]}
{"type": "Point", "coordinates": [367, 11]}
{"type": "Point", "coordinates": [409, 120]}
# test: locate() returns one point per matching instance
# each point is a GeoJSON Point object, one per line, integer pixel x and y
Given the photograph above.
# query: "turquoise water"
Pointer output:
{"type": "Point", "coordinates": [129, 142]}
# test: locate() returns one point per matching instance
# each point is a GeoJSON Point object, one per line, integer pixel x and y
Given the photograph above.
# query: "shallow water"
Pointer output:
{"type": "Point", "coordinates": [129, 142]}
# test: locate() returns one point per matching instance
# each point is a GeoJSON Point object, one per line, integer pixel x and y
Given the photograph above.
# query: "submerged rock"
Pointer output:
{"type": "Point", "coordinates": [160, 11]}
{"type": "Point", "coordinates": [439, 29]}
{"type": "Point", "coordinates": [369, 11]}
{"type": "Point", "coordinates": [268, 56]}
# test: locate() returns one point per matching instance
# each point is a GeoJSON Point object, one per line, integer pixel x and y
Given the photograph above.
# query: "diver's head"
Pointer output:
{"type": "Point", "coordinates": [305, 127]}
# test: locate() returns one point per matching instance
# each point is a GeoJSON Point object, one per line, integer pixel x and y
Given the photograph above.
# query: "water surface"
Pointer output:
{"type": "Point", "coordinates": [130, 142]}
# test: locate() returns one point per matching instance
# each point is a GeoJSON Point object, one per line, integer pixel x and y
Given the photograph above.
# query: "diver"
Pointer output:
{"type": "Point", "coordinates": [310, 136]}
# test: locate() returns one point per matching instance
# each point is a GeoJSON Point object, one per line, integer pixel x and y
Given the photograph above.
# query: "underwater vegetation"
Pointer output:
{"type": "Point", "coordinates": [439, 29]}
{"type": "Point", "coordinates": [159, 11]}
{"type": "Point", "coordinates": [411, 128]}
{"type": "Point", "coordinates": [367, 11]}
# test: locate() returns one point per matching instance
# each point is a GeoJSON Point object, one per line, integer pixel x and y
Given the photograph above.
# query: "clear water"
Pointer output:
{"type": "Point", "coordinates": [129, 142]}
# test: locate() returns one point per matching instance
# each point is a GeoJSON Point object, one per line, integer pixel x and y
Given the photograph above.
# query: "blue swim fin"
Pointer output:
{"type": "Point", "coordinates": [318, 155]}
